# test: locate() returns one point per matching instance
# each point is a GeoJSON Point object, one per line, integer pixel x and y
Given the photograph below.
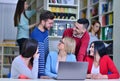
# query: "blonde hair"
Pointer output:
{"type": "Point", "coordinates": [70, 44]}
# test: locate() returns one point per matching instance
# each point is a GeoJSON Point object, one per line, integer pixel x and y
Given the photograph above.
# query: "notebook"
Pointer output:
{"type": "Point", "coordinates": [72, 70]}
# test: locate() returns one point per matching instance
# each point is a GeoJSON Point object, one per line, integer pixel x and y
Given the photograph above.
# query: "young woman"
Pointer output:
{"type": "Point", "coordinates": [94, 32]}
{"type": "Point", "coordinates": [100, 63]}
{"type": "Point", "coordinates": [26, 65]}
{"type": "Point", "coordinates": [66, 53]}
{"type": "Point", "coordinates": [21, 21]}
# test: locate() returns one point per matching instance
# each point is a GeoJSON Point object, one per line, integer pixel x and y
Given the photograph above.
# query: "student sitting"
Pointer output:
{"type": "Point", "coordinates": [66, 53]}
{"type": "Point", "coordinates": [100, 63]}
{"type": "Point", "coordinates": [25, 66]}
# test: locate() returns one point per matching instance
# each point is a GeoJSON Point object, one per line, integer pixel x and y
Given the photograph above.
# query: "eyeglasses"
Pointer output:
{"type": "Point", "coordinates": [61, 41]}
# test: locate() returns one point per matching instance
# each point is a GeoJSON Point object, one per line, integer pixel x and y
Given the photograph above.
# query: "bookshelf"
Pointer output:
{"type": "Point", "coordinates": [7, 54]}
{"type": "Point", "coordinates": [66, 13]}
{"type": "Point", "coordinates": [101, 10]}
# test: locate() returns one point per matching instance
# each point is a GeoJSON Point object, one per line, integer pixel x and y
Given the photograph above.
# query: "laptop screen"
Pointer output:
{"type": "Point", "coordinates": [72, 70]}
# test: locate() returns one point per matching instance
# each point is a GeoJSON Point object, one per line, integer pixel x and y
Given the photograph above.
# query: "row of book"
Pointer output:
{"type": "Point", "coordinates": [8, 59]}
{"type": "Point", "coordinates": [70, 2]}
{"type": "Point", "coordinates": [103, 8]}
{"type": "Point", "coordinates": [107, 19]}
{"type": "Point", "coordinates": [93, 1]}
{"type": "Point", "coordinates": [63, 10]}
{"type": "Point", "coordinates": [107, 33]}
{"type": "Point", "coordinates": [106, 6]}
{"type": "Point", "coordinates": [83, 3]}
{"type": "Point", "coordinates": [94, 11]}
{"type": "Point", "coordinates": [10, 50]}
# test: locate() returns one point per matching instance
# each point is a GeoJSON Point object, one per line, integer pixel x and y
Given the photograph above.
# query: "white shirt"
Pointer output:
{"type": "Point", "coordinates": [95, 70]}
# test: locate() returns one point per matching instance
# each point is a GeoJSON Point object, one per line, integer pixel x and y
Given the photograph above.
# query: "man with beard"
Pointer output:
{"type": "Point", "coordinates": [80, 34]}
{"type": "Point", "coordinates": [40, 34]}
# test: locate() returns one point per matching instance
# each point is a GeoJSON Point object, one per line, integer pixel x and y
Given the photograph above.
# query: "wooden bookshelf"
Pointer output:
{"type": "Point", "coordinates": [8, 51]}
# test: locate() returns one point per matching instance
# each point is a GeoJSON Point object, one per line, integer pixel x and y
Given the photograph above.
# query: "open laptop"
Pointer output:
{"type": "Point", "coordinates": [72, 70]}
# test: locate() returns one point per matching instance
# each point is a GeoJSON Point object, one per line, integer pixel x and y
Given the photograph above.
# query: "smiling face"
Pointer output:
{"type": "Point", "coordinates": [92, 49]}
{"type": "Point", "coordinates": [94, 53]}
{"type": "Point", "coordinates": [48, 23]}
{"type": "Point", "coordinates": [78, 29]}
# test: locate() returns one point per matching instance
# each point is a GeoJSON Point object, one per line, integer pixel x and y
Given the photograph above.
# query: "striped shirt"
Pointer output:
{"type": "Point", "coordinates": [43, 47]}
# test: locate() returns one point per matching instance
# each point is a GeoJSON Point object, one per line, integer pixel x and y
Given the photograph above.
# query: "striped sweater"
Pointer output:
{"type": "Point", "coordinates": [42, 38]}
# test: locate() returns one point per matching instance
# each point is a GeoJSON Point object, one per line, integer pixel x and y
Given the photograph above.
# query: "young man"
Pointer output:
{"type": "Point", "coordinates": [80, 34]}
{"type": "Point", "coordinates": [40, 34]}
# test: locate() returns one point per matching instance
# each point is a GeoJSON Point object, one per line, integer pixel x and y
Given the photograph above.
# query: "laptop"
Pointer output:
{"type": "Point", "coordinates": [72, 70]}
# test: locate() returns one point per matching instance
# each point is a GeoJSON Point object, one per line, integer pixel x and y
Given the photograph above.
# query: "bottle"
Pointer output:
{"type": "Point", "coordinates": [67, 25]}
{"type": "Point", "coordinates": [55, 29]}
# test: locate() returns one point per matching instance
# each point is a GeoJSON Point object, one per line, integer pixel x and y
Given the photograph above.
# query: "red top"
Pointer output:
{"type": "Point", "coordinates": [81, 43]}
{"type": "Point", "coordinates": [106, 65]}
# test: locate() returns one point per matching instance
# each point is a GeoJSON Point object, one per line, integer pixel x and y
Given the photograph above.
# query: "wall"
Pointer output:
{"type": "Point", "coordinates": [8, 1]}
{"type": "Point", "coordinates": [7, 29]}
{"type": "Point", "coordinates": [116, 33]}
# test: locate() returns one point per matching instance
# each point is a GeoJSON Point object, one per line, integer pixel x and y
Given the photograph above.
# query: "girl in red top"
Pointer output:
{"type": "Point", "coordinates": [100, 63]}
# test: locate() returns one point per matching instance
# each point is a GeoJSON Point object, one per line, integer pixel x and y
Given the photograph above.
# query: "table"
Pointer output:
{"type": "Point", "coordinates": [10, 79]}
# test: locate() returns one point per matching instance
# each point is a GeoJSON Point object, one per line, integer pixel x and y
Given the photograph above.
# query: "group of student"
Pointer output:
{"type": "Point", "coordinates": [35, 60]}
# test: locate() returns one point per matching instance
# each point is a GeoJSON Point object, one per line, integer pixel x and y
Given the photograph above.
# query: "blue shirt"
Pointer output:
{"type": "Point", "coordinates": [51, 63]}
{"type": "Point", "coordinates": [23, 26]}
{"type": "Point", "coordinates": [43, 47]}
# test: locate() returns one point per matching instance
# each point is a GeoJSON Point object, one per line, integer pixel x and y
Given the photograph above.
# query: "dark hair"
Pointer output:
{"type": "Point", "coordinates": [93, 23]}
{"type": "Point", "coordinates": [83, 21]}
{"type": "Point", "coordinates": [29, 48]}
{"type": "Point", "coordinates": [99, 47]}
{"type": "Point", "coordinates": [46, 15]}
{"type": "Point", "coordinates": [18, 12]}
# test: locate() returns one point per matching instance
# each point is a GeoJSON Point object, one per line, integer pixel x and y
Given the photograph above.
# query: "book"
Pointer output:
{"type": "Point", "coordinates": [83, 14]}
{"type": "Point", "coordinates": [70, 2]}
{"type": "Point", "coordinates": [94, 1]}
{"type": "Point", "coordinates": [103, 20]}
{"type": "Point", "coordinates": [110, 33]}
{"type": "Point", "coordinates": [63, 1]}
{"type": "Point", "coordinates": [103, 7]}
{"type": "Point", "coordinates": [59, 1]}
{"type": "Point", "coordinates": [110, 19]}
{"type": "Point", "coordinates": [107, 19]}
{"type": "Point", "coordinates": [110, 5]}
{"type": "Point", "coordinates": [84, 3]}
{"type": "Point", "coordinates": [94, 11]}
{"type": "Point", "coordinates": [103, 33]}
{"type": "Point", "coordinates": [106, 33]}
{"type": "Point", "coordinates": [50, 1]}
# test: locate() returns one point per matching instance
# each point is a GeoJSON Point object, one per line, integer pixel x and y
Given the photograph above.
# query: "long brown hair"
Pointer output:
{"type": "Point", "coordinates": [18, 12]}
{"type": "Point", "coordinates": [92, 24]}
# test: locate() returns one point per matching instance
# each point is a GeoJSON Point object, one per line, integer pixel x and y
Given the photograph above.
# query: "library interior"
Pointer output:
{"type": "Point", "coordinates": [66, 13]}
